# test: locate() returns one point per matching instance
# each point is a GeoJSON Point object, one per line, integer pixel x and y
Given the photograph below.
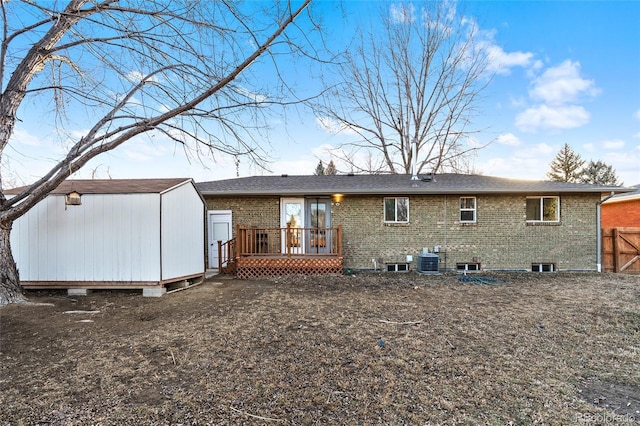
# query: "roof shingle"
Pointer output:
{"type": "Point", "coordinates": [112, 186]}
{"type": "Point", "coordinates": [448, 183]}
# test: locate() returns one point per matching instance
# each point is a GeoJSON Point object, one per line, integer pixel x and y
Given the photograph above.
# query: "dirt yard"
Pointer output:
{"type": "Point", "coordinates": [365, 349]}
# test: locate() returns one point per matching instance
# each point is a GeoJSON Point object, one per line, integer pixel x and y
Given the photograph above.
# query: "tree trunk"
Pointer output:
{"type": "Point", "coordinates": [10, 290]}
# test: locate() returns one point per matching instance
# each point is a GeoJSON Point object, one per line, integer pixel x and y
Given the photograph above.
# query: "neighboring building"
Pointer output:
{"type": "Point", "coordinates": [116, 233]}
{"type": "Point", "coordinates": [622, 210]}
{"type": "Point", "coordinates": [394, 222]}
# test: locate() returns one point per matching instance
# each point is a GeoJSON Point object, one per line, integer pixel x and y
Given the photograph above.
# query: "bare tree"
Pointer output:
{"type": "Point", "coordinates": [170, 67]}
{"type": "Point", "coordinates": [414, 81]}
{"type": "Point", "coordinates": [330, 170]}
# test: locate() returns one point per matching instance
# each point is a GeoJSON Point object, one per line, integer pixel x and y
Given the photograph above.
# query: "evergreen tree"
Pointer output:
{"type": "Point", "coordinates": [599, 173]}
{"type": "Point", "coordinates": [566, 167]}
{"type": "Point", "coordinates": [319, 169]}
{"type": "Point", "coordinates": [331, 169]}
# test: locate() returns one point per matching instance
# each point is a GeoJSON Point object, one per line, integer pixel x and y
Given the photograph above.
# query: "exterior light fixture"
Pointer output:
{"type": "Point", "coordinates": [73, 199]}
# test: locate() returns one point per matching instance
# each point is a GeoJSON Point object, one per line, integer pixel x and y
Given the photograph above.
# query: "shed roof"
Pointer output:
{"type": "Point", "coordinates": [113, 186]}
{"type": "Point", "coordinates": [448, 183]}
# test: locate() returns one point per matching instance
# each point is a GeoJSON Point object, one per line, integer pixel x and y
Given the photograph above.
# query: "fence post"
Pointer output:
{"type": "Point", "coordinates": [616, 257]}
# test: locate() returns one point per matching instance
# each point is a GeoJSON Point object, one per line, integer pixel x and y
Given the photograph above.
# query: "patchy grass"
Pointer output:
{"type": "Point", "coordinates": [366, 349]}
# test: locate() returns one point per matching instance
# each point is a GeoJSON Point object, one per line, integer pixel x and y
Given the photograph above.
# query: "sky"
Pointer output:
{"type": "Point", "coordinates": [565, 72]}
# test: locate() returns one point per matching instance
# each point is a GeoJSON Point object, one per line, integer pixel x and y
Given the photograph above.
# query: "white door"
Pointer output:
{"type": "Point", "coordinates": [219, 230]}
{"type": "Point", "coordinates": [292, 214]}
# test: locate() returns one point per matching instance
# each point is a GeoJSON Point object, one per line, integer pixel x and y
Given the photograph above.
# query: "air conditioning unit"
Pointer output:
{"type": "Point", "coordinates": [428, 263]}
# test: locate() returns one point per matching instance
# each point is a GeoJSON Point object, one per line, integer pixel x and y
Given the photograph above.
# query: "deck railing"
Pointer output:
{"type": "Point", "coordinates": [226, 255]}
{"type": "Point", "coordinates": [288, 242]}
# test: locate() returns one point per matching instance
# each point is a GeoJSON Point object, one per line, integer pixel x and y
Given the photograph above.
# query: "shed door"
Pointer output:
{"type": "Point", "coordinates": [219, 230]}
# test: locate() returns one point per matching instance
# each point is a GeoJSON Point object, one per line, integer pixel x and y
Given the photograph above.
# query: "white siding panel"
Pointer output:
{"type": "Point", "coordinates": [109, 237]}
{"type": "Point", "coordinates": [182, 232]}
{"type": "Point", "coordinates": [131, 240]}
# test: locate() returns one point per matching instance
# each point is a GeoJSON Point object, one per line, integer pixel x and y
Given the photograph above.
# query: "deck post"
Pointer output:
{"type": "Point", "coordinates": [220, 256]}
{"type": "Point", "coordinates": [288, 239]}
{"type": "Point", "coordinates": [339, 240]}
{"type": "Point", "coordinates": [240, 240]}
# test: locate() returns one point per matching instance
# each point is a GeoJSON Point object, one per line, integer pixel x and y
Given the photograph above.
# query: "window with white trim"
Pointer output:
{"type": "Point", "coordinates": [543, 209]}
{"type": "Point", "coordinates": [467, 209]}
{"type": "Point", "coordinates": [543, 267]}
{"type": "Point", "coordinates": [396, 210]}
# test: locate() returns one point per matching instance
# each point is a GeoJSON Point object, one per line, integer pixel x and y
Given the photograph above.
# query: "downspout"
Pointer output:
{"type": "Point", "coordinates": [599, 232]}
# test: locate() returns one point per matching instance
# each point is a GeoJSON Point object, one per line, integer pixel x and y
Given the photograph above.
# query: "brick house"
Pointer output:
{"type": "Point", "coordinates": [622, 210]}
{"type": "Point", "coordinates": [400, 222]}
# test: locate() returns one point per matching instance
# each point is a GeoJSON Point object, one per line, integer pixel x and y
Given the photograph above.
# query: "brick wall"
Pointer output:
{"type": "Point", "coordinates": [501, 238]}
{"type": "Point", "coordinates": [251, 211]}
{"type": "Point", "coordinates": [621, 214]}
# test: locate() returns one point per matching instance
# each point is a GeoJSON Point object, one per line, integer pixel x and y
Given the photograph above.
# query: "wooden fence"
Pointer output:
{"type": "Point", "coordinates": [621, 250]}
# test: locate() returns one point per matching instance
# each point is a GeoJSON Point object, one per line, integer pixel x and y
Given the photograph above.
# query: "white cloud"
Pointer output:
{"type": "Point", "coordinates": [513, 167]}
{"type": "Point", "coordinates": [498, 60]}
{"type": "Point", "coordinates": [253, 96]}
{"type": "Point", "coordinates": [508, 139]}
{"type": "Point", "coordinates": [138, 76]}
{"type": "Point", "coordinates": [552, 117]}
{"type": "Point", "coordinates": [637, 115]}
{"type": "Point", "coordinates": [625, 164]}
{"type": "Point", "coordinates": [402, 13]}
{"type": "Point", "coordinates": [539, 149]}
{"type": "Point", "coordinates": [501, 62]}
{"type": "Point", "coordinates": [529, 161]}
{"type": "Point", "coordinates": [613, 144]}
{"type": "Point", "coordinates": [472, 142]}
{"type": "Point", "coordinates": [22, 137]}
{"type": "Point", "coordinates": [144, 150]}
{"type": "Point", "coordinates": [333, 127]}
{"type": "Point", "coordinates": [562, 85]}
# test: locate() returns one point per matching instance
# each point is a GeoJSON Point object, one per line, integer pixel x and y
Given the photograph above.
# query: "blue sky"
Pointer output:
{"type": "Point", "coordinates": [566, 72]}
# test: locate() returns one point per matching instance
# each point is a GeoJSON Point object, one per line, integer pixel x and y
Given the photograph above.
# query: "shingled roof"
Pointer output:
{"type": "Point", "coordinates": [448, 183]}
{"type": "Point", "coordinates": [112, 186]}
{"type": "Point", "coordinates": [633, 194]}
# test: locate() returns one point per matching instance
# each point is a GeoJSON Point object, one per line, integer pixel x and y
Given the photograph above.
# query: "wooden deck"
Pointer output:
{"type": "Point", "coordinates": [267, 252]}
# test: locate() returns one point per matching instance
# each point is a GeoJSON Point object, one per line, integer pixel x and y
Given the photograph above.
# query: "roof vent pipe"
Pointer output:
{"type": "Point", "coordinates": [414, 165]}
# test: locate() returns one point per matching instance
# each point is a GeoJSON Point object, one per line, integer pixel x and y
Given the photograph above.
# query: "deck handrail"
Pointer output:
{"type": "Point", "coordinates": [289, 241]}
{"type": "Point", "coordinates": [226, 253]}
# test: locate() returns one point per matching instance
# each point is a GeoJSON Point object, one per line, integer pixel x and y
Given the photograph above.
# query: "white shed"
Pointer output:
{"type": "Point", "coordinates": [115, 233]}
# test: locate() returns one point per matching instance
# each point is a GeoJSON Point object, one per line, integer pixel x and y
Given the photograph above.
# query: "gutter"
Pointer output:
{"type": "Point", "coordinates": [599, 231]}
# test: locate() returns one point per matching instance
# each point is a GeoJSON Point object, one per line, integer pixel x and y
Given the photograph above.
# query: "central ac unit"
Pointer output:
{"type": "Point", "coordinates": [428, 263]}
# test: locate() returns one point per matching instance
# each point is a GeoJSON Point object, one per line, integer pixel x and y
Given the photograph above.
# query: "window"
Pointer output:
{"type": "Point", "coordinates": [543, 209]}
{"type": "Point", "coordinates": [543, 267]}
{"type": "Point", "coordinates": [468, 266]}
{"type": "Point", "coordinates": [396, 210]}
{"type": "Point", "coordinates": [397, 267]}
{"type": "Point", "coordinates": [467, 209]}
